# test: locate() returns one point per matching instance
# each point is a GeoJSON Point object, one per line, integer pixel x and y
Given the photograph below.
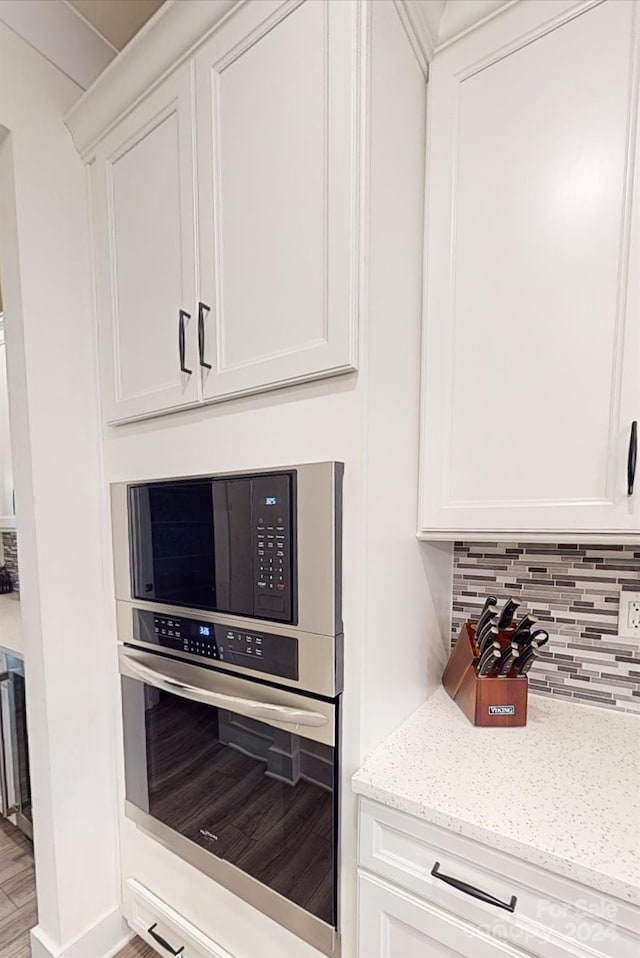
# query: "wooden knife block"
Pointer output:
{"type": "Point", "coordinates": [476, 696]}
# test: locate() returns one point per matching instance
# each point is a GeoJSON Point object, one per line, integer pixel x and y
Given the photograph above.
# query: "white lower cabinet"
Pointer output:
{"type": "Point", "coordinates": [163, 928]}
{"type": "Point", "coordinates": [425, 892]}
{"type": "Point", "coordinates": [394, 924]}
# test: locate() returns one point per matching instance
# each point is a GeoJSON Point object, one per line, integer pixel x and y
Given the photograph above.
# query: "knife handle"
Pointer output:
{"type": "Point", "coordinates": [524, 627]}
{"type": "Point", "coordinates": [491, 600]}
{"type": "Point", "coordinates": [488, 614]}
{"type": "Point", "coordinates": [506, 617]}
{"type": "Point", "coordinates": [525, 667]}
{"type": "Point", "coordinates": [632, 458]}
{"type": "Point", "coordinates": [544, 637]}
{"type": "Point", "coordinates": [485, 639]}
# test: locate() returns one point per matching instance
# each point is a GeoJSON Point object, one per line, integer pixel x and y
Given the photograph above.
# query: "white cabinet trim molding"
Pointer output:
{"type": "Point", "coordinates": [162, 45]}
{"type": "Point", "coordinates": [417, 29]}
{"type": "Point", "coordinates": [167, 40]}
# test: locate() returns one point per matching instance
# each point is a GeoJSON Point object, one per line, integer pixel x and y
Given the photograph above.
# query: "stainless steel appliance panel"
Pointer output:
{"type": "Point", "coordinates": [240, 779]}
{"type": "Point", "coordinates": [319, 656]}
{"type": "Point", "coordinates": [318, 507]}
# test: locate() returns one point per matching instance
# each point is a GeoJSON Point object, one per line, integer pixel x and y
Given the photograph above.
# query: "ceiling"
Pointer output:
{"type": "Point", "coordinates": [116, 20]}
{"type": "Point", "coordinates": [81, 37]}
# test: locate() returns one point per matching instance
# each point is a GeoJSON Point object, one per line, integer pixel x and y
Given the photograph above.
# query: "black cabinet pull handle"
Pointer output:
{"type": "Point", "coordinates": [633, 457]}
{"type": "Point", "coordinates": [181, 318]}
{"type": "Point", "coordinates": [202, 309]}
{"type": "Point", "coordinates": [474, 892]}
{"type": "Point", "coordinates": [161, 941]}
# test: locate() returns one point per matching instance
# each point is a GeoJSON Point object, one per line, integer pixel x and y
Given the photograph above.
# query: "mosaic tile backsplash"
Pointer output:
{"type": "Point", "coordinates": [10, 549]}
{"type": "Point", "coordinates": [574, 590]}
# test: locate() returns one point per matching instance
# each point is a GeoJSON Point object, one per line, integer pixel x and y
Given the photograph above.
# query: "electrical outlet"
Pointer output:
{"type": "Point", "coordinates": [629, 617]}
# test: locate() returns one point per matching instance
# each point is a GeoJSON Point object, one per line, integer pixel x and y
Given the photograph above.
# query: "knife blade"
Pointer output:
{"type": "Point", "coordinates": [507, 614]}
{"type": "Point", "coordinates": [489, 635]}
{"type": "Point", "coordinates": [488, 660]}
{"type": "Point", "coordinates": [523, 629]}
{"type": "Point", "coordinates": [541, 636]}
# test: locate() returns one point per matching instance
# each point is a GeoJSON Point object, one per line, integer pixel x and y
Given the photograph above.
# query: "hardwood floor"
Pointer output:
{"type": "Point", "coordinates": [18, 909]}
{"type": "Point", "coordinates": [137, 949]}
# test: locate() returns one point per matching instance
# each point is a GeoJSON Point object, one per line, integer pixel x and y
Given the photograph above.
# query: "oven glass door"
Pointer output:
{"type": "Point", "coordinates": [246, 771]}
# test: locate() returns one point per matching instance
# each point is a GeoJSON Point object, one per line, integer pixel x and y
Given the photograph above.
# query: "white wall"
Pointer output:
{"type": "Point", "coordinates": [6, 468]}
{"type": "Point", "coordinates": [405, 580]}
{"type": "Point", "coordinates": [57, 464]}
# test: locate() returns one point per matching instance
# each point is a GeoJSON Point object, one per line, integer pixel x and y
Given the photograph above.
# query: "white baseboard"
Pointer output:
{"type": "Point", "coordinates": [104, 940]}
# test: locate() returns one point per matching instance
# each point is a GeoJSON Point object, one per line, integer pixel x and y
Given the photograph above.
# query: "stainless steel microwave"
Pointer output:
{"type": "Point", "coordinates": [241, 568]}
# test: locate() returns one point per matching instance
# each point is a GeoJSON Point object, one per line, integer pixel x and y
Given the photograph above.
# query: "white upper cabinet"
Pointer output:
{"type": "Point", "coordinates": [226, 215]}
{"type": "Point", "coordinates": [143, 182]}
{"type": "Point", "coordinates": [532, 343]}
{"type": "Point", "coordinates": [277, 197]}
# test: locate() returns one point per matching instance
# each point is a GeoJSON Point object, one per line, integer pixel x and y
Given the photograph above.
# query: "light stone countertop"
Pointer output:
{"type": "Point", "coordinates": [11, 623]}
{"type": "Point", "coordinates": [568, 785]}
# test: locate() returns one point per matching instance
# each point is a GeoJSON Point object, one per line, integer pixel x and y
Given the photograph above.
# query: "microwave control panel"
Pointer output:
{"type": "Point", "coordinates": [272, 543]}
{"type": "Point", "coordinates": [264, 652]}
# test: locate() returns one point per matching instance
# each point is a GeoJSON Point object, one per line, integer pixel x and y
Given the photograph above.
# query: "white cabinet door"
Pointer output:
{"type": "Point", "coordinates": [393, 924]}
{"type": "Point", "coordinates": [143, 183]}
{"type": "Point", "coordinates": [532, 343]}
{"type": "Point", "coordinates": [278, 224]}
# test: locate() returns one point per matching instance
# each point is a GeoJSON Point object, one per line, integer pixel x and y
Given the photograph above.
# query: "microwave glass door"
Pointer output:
{"type": "Point", "coordinates": [253, 793]}
{"type": "Point", "coordinates": [217, 544]}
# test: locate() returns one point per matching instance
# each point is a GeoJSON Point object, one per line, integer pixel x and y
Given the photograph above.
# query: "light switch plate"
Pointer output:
{"type": "Point", "coordinates": [629, 616]}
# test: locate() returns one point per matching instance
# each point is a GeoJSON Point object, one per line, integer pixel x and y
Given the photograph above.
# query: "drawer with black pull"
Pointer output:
{"type": "Point", "coordinates": [163, 928]}
{"type": "Point", "coordinates": [534, 910]}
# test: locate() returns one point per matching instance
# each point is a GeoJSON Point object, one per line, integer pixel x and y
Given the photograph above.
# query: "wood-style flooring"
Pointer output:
{"type": "Point", "coordinates": [18, 909]}
{"type": "Point", "coordinates": [137, 949]}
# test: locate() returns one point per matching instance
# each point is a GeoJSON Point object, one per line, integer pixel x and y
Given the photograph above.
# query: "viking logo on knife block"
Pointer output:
{"type": "Point", "coordinates": [486, 674]}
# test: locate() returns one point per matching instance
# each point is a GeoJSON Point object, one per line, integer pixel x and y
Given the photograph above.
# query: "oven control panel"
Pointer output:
{"type": "Point", "coordinates": [265, 652]}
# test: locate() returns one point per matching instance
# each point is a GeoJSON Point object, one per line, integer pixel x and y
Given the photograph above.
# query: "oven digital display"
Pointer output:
{"type": "Point", "coordinates": [271, 501]}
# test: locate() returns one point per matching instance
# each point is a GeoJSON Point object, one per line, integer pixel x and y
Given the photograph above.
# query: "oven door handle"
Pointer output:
{"type": "Point", "coordinates": [233, 703]}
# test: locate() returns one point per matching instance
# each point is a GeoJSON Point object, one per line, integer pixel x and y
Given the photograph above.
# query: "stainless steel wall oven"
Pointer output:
{"type": "Point", "coordinates": [228, 593]}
